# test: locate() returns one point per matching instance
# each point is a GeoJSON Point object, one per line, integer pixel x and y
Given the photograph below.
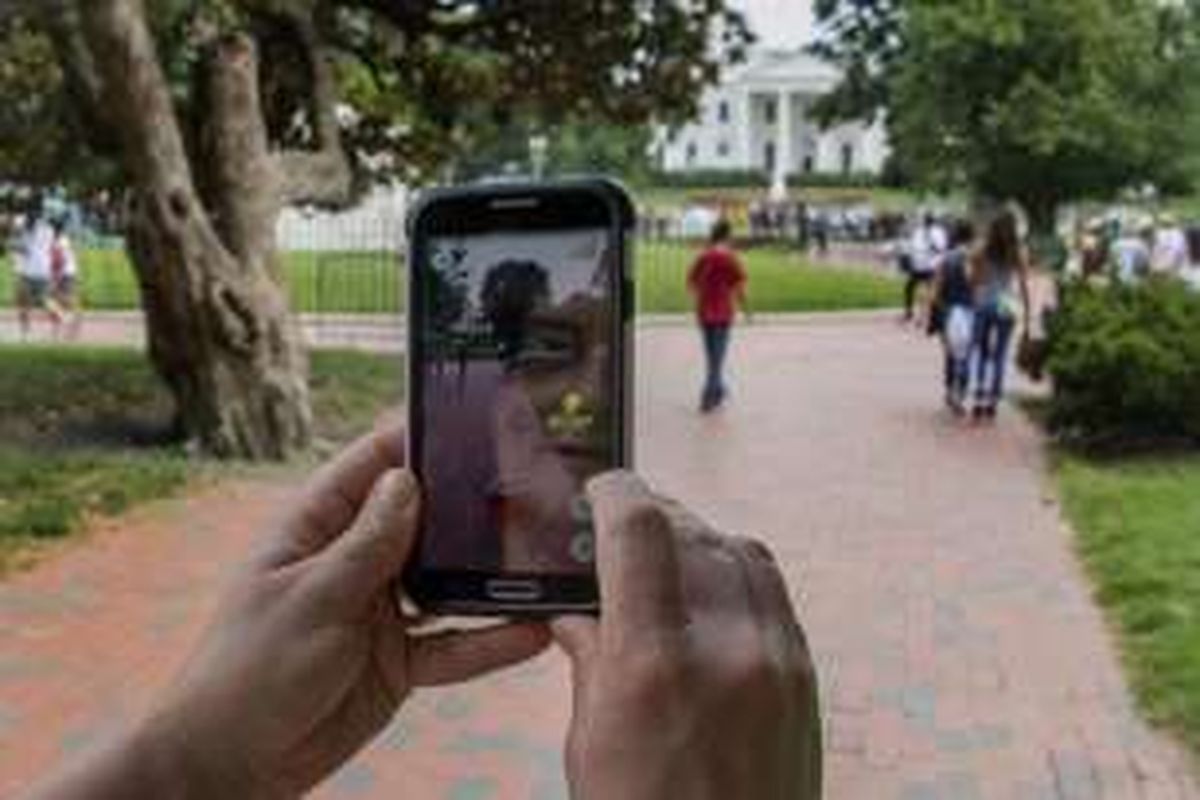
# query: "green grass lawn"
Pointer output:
{"type": "Point", "coordinates": [1138, 523]}
{"type": "Point", "coordinates": [367, 282]}
{"type": "Point", "coordinates": [370, 282]}
{"type": "Point", "coordinates": [780, 281]}
{"type": "Point", "coordinates": [83, 432]}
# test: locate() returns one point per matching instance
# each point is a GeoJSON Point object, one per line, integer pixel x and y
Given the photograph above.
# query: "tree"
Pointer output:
{"type": "Point", "coordinates": [1041, 102]}
{"type": "Point", "coordinates": [575, 148]}
{"type": "Point", "coordinates": [219, 113]}
{"type": "Point", "coordinates": [865, 40]}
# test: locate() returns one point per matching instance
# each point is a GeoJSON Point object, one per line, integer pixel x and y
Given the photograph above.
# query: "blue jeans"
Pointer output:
{"type": "Point", "coordinates": [716, 345]}
{"type": "Point", "coordinates": [993, 333]}
{"type": "Point", "coordinates": [957, 375]}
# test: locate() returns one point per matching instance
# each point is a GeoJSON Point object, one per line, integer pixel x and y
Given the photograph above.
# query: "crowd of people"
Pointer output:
{"type": "Point", "coordinates": [46, 273]}
{"type": "Point", "coordinates": [1133, 249]}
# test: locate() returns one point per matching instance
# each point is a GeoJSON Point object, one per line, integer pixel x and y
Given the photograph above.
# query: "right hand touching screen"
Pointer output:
{"type": "Point", "coordinates": [696, 681]}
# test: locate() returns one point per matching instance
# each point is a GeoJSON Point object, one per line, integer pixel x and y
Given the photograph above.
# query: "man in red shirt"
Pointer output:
{"type": "Point", "coordinates": [718, 281]}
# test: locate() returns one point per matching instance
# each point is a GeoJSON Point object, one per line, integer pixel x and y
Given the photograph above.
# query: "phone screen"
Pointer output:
{"type": "Point", "coordinates": [517, 397]}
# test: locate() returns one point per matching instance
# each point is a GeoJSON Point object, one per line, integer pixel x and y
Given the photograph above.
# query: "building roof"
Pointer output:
{"type": "Point", "coordinates": [793, 68]}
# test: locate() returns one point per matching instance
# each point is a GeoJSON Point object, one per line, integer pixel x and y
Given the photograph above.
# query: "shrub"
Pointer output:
{"type": "Point", "coordinates": [1126, 364]}
{"type": "Point", "coordinates": [835, 180]}
{"type": "Point", "coordinates": [711, 179]}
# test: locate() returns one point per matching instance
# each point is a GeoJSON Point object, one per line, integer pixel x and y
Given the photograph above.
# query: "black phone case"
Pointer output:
{"type": "Point", "coordinates": [466, 592]}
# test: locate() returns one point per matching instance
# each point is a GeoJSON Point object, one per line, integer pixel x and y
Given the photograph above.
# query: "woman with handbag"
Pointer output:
{"type": "Point", "coordinates": [952, 314]}
{"type": "Point", "coordinates": [1000, 278]}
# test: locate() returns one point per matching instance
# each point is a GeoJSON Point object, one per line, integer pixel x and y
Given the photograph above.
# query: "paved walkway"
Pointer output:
{"type": "Point", "coordinates": [375, 332]}
{"type": "Point", "coordinates": [960, 655]}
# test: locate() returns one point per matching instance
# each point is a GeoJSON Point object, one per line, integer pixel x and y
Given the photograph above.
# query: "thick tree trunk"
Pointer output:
{"type": "Point", "coordinates": [219, 331]}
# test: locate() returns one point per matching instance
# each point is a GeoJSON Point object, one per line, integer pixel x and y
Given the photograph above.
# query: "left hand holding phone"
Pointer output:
{"type": "Point", "coordinates": [306, 659]}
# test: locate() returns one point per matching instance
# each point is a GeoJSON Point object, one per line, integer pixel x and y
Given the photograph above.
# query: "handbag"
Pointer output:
{"type": "Point", "coordinates": [1031, 357]}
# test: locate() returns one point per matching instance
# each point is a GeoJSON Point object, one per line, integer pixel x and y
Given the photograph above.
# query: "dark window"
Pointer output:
{"type": "Point", "coordinates": [723, 111]}
{"type": "Point", "coordinates": [770, 112]}
{"type": "Point", "coordinates": [691, 152]}
{"type": "Point", "coordinates": [722, 149]}
{"type": "Point", "coordinates": [809, 164]}
{"type": "Point", "coordinates": [847, 159]}
{"type": "Point", "coordinates": [769, 157]}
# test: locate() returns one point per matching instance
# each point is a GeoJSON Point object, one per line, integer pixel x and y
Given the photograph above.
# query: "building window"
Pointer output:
{"type": "Point", "coordinates": [770, 112]}
{"type": "Point", "coordinates": [691, 153]}
{"type": "Point", "coordinates": [847, 159]}
{"type": "Point", "coordinates": [723, 111]}
{"type": "Point", "coordinates": [722, 149]}
{"type": "Point", "coordinates": [809, 163]}
{"type": "Point", "coordinates": [769, 157]}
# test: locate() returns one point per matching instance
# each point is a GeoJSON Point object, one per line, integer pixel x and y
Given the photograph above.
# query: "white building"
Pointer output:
{"type": "Point", "coordinates": [760, 118]}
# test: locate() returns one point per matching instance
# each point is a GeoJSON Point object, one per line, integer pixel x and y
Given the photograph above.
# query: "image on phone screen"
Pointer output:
{"type": "Point", "coordinates": [517, 398]}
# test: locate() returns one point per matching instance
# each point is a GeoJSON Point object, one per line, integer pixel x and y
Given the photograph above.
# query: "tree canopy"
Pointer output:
{"type": "Point", "coordinates": [1043, 102]}
{"type": "Point", "coordinates": [415, 84]}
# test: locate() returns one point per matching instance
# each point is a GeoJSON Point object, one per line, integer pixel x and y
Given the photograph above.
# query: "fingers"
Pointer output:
{"type": "Point", "coordinates": [353, 569]}
{"type": "Point", "coordinates": [784, 637]}
{"type": "Point", "coordinates": [637, 559]}
{"type": "Point", "coordinates": [334, 496]}
{"type": "Point", "coordinates": [444, 657]}
{"type": "Point", "coordinates": [578, 637]}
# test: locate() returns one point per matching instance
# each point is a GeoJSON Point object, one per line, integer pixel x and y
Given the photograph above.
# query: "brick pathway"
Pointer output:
{"type": "Point", "coordinates": [960, 654]}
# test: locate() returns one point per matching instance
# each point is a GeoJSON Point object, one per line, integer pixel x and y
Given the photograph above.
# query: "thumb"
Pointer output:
{"type": "Point", "coordinates": [578, 636]}
{"type": "Point", "coordinates": [375, 548]}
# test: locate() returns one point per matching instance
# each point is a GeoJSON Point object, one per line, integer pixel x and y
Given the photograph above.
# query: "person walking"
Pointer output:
{"type": "Point", "coordinates": [999, 270]}
{"type": "Point", "coordinates": [717, 280]}
{"type": "Point", "coordinates": [64, 279]}
{"type": "Point", "coordinates": [952, 314]}
{"type": "Point", "coordinates": [926, 245]}
{"type": "Point", "coordinates": [31, 257]}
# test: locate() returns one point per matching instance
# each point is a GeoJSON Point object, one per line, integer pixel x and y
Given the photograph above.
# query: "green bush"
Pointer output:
{"type": "Point", "coordinates": [711, 179]}
{"type": "Point", "coordinates": [834, 180]}
{"type": "Point", "coordinates": [1126, 364]}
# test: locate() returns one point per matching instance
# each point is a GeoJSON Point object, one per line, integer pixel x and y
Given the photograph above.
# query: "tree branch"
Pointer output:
{"type": "Point", "coordinates": [243, 175]}
{"type": "Point", "coordinates": [138, 102]}
{"type": "Point", "coordinates": [322, 176]}
{"type": "Point", "coordinates": [81, 80]}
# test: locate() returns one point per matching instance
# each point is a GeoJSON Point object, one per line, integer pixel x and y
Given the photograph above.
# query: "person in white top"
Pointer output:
{"type": "Point", "coordinates": [1131, 254]}
{"type": "Point", "coordinates": [1170, 252]}
{"type": "Point", "coordinates": [32, 263]}
{"type": "Point", "coordinates": [64, 275]}
{"type": "Point", "coordinates": [926, 246]}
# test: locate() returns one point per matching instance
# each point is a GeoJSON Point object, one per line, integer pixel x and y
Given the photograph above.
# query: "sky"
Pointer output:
{"type": "Point", "coordinates": [779, 23]}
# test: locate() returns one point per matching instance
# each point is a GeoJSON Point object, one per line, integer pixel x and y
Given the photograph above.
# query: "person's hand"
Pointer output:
{"type": "Point", "coordinates": [306, 659]}
{"type": "Point", "coordinates": [696, 680]}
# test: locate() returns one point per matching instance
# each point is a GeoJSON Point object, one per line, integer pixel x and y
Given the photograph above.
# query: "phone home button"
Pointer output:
{"type": "Point", "coordinates": [510, 590]}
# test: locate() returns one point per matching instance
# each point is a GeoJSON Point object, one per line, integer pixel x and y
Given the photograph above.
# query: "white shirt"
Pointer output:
{"type": "Point", "coordinates": [1170, 251]}
{"type": "Point", "coordinates": [927, 244]}
{"type": "Point", "coordinates": [34, 260]}
{"type": "Point", "coordinates": [1132, 256]}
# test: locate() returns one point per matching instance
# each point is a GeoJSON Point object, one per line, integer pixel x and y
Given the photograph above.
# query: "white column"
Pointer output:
{"type": "Point", "coordinates": [745, 121]}
{"type": "Point", "coordinates": [783, 145]}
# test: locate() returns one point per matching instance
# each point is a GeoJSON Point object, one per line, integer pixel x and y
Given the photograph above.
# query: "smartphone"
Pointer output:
{"type": "Point", "coordinates": [520, 367]}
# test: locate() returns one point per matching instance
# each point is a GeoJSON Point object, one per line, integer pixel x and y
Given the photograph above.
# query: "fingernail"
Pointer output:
{"type": "Point", "coordinates": [614, 480]}
{"type": "Point", "coordinates": [760, 550]}
{"type": "Point", "coordinates": [404, 484]}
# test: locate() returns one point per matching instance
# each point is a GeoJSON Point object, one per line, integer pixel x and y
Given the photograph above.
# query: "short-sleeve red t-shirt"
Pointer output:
{"type": "Point", "coordinates": [716, 278]}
